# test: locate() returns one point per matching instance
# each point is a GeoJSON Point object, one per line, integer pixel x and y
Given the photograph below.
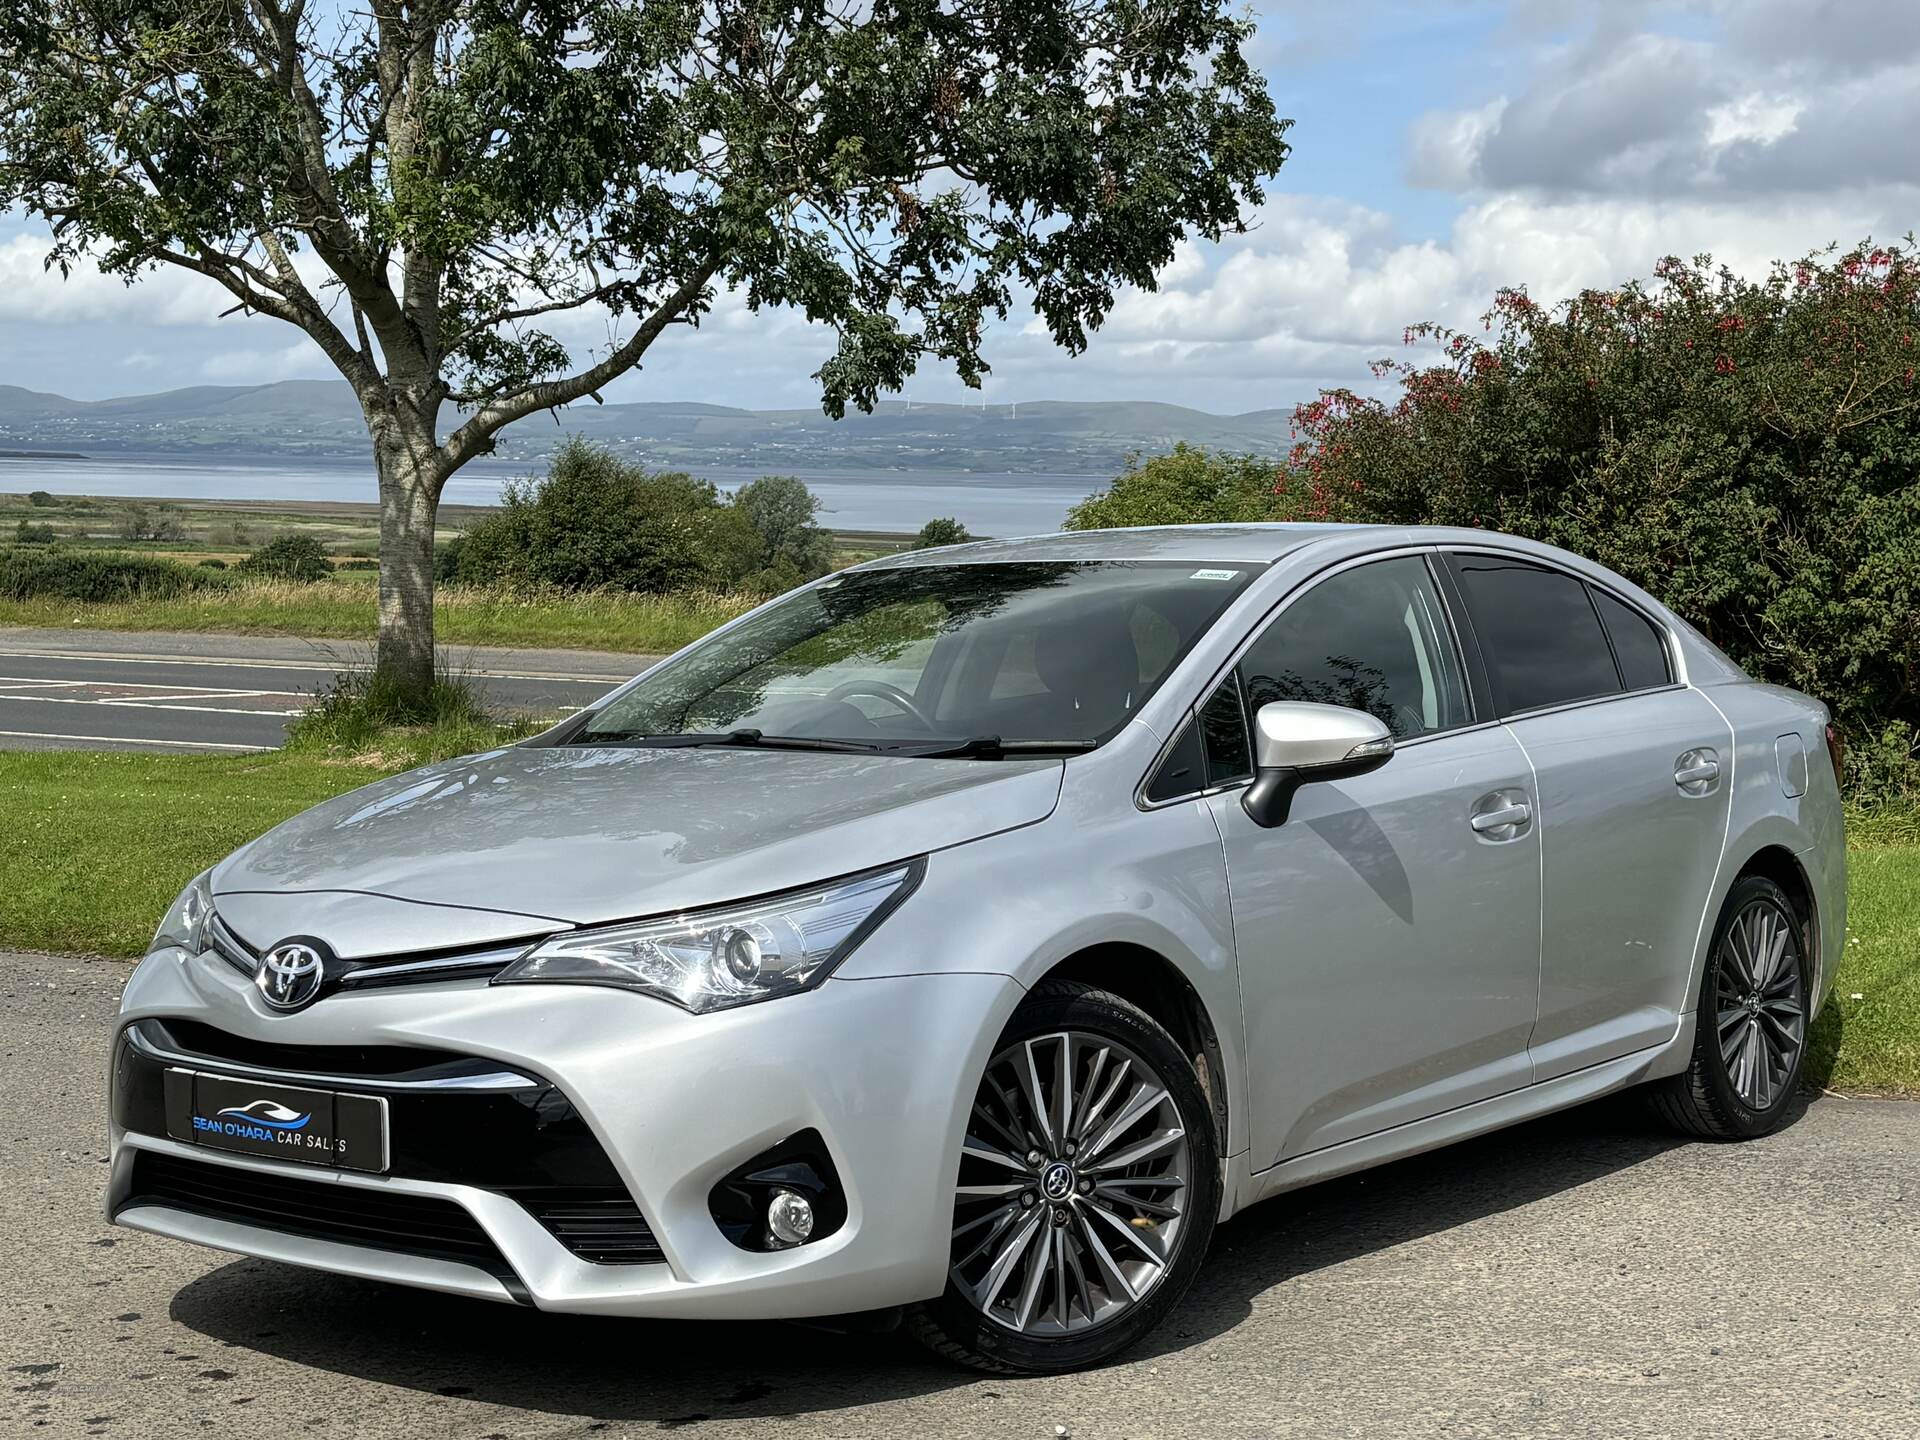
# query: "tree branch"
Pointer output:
{"type": "Point", "coordinates": [472, 438]}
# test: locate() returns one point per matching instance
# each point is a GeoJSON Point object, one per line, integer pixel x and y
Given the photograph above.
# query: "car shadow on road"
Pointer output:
{"type": "Point", "coordinates": [684, 1373]}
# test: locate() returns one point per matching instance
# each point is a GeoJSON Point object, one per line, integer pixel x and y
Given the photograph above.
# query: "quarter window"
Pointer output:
{"type": "Point", "coordinates": [1374, 638]}
{"type": "Point", "coordinates": [1542, 640]}
{"type": "Point", "coordinates": [1637, 646]}
{"type": "Point", "coordinates": [1223, 730]}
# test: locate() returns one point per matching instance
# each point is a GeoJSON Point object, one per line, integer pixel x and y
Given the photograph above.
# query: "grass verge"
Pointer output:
{"type": "Point", "coordinates": [342, 609]}
{"type": "Point", "coordinates": [96, 845]}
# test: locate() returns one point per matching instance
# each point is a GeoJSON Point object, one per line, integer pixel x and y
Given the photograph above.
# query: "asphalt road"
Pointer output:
{"type": "Point", "coordinates": [1581, 1276]}
{"type": "Point", "coordinates": [91, 690]}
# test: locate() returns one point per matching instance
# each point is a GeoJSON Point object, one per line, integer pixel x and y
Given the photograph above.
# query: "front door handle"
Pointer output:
{"type": "Point", "coordinates": [1501, 815]}
{"type": "Point", "coordinates": [1696, 771]}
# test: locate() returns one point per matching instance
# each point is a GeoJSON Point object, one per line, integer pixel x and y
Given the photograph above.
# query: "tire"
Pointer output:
{"type": "Point", "coordinates": [1068, 1260]}
{"type": "Point", "coordinates": [1750, 1029]}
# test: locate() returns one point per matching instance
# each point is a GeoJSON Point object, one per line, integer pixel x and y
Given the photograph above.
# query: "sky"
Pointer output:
{"type": "Point", "coordinates": [1441, 150]}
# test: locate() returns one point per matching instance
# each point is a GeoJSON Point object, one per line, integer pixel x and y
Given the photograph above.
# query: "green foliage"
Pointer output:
{"type": "Point", "coordinates": [362, 713]}
{"type": "Point", "coordinates": [97, 576]}
{"type": "Point", "coordinates": [595, 521]}
{"type": "Point", "coordinates": [1189, 486]}
{"type": "Point", "coordinates": [289, 557]}
{"type": "Point", "coordinates": [1745, 450]}
{"type": "Point", "coordinates": [27, 533]}
{"type": "Point", "coordinates": [39, 497]}
{"type": "Point", "coordinates": [165, 523]}
{"type": "Point", "coordinates": [216, 563]}
{"type": "Point", "coordinates": [446, 559]}
{"type": "Point", "coordinates": [897, 173]}
{"type": "Point", "coordinates": [779, 511]}
{"type": "Point", "coordinates": [942, 531]}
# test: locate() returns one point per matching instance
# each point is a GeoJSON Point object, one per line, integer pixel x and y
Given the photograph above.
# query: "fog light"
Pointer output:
{"type": "Point", "coordinates": [789, 1217]}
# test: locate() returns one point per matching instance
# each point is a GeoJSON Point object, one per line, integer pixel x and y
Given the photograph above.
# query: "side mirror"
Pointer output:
{"type": "Point", "coordinates": [1296, 743]}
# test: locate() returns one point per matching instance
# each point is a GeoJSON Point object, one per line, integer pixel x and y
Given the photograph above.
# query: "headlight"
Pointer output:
{"type": "Point", "coordinates": [185, 923]}
{"type": "Point", "coordinates": [730, 955]}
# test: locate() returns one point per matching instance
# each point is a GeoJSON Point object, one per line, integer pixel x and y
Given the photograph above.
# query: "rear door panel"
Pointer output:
{"type": "Point", "coordinates": [1629, 858]}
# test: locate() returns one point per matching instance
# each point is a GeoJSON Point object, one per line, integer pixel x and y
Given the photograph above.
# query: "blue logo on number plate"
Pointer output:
{"type": "Point", "coordinates": [270, 1113]}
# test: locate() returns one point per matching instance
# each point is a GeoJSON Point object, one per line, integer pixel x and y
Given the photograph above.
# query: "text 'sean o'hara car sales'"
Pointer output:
{"type": "Point", "coordinates": [970, 931]}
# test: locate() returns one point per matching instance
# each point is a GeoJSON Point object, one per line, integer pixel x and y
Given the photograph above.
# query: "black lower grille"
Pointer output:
{"type": "Point", "coordinates": [351, 1214]}
{"type": "Point", "coordinates": [601, 1225]}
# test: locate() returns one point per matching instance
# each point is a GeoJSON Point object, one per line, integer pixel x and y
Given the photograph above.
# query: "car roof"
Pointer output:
{"type": "Point", "coordinates": [1258, 544]}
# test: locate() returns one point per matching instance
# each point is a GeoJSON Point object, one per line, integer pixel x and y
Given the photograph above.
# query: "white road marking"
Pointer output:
{"type": "Point", "coordinates": [640, 662]}
{"type": "Point", "coordinates": [131, 740]}
{"type": "Point", "coordinates": [148, 704]}
{"type": "Point", "coordinates": [184, 691]}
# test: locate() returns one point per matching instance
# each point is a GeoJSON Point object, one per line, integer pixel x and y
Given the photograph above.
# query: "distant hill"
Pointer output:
{"type": "Point", "coordinates": [319, 418]}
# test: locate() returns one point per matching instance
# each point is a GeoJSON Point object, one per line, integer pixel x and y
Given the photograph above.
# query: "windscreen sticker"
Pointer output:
{"type": "Point", "coordinates": [1215, 575]}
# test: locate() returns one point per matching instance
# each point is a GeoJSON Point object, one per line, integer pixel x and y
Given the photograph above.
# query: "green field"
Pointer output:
{"type": "Point", "coordinates": [343, 609]}
{"type": "Point", "coordinates": [96, 845]}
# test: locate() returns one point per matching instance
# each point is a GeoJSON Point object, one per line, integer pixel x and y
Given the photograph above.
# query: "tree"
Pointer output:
{"type": "Point", "coordinates": [1185, 487]}
{"type": "Point", "coordinates": [942, 531]}
{"type": "Point", "coordinates": [429, 189]}
{"type": "Point", "coordinates": [779, 510]}
{"type": "Point", "coordinates": [289, 557]}
{"type": "Point", "coordinates": [165, 523]}
{"type": "Point", "coordinates": [1743, 449]}
{"type": "Point", "coordinates": [595, 521]}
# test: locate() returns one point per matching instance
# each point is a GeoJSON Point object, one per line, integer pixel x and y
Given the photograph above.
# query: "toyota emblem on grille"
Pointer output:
{"type": "Point", "coordinates": [290, 974]}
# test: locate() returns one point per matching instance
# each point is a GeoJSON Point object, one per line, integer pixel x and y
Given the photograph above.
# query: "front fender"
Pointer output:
{"type": "Point", "coordinates": [1020, 903]}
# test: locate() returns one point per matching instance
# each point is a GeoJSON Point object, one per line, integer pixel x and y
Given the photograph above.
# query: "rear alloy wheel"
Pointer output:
{"type": "Point", "coordinates": [1751, 1025]}
{"type": "Point", "coordinates": [1088, 1184]}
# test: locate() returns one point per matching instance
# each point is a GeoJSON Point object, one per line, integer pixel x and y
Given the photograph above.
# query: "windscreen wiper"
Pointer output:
{"type": "Point", "coordinates": [992, 747]}
{"type": "Point", "coordinates": [729, 739]}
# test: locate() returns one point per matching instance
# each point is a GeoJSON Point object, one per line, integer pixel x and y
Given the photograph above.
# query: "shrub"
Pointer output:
{"type": "Point", "coordinates": [595, 521]}
{"type": "Point", "coordinates": [1189, 486]}
{"type": "Point", "coordinates": [27, 533]}
{"type": "Point", "coordinates": [98, 576]}
{"type": "Point", "coordinates": [446, 559]}
{"type": "Point", "coordinates": [165, 523]}
{"type": "Point", "coordinates": [216, 563]}
{"type": "Point", "coordinates": [779, 510]}
{"type": "Point", "coordinates": [943, 531]}
{"type": "Point", "coordinates": [39, 497]}
{"type": "Point", "coordinates": [1745, 450]}
{"type": "Point", "coordinates": [289, 557]}
{"type": "Point", "coordinates": [362, 715]}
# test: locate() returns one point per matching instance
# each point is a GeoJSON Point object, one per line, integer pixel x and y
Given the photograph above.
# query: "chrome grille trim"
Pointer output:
{"type": "Point", "coordinates": [478, 963]}
{"type": "Point", "coordinates": [230, 947]}
{"type": "Point", "coordinates": [501, 1079]}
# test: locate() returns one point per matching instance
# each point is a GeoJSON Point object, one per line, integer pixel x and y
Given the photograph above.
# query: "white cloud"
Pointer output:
{"type": "Point", "coordinates": [1762, 119]}
{"type": "Point", "coordinates": [31, 292]}
{"type": "Point", "coordinates": [1322, 288]}
{"type": "Point", "coordinates": [302, 359]}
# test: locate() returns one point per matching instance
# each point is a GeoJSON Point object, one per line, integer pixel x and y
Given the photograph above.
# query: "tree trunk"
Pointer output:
{"type": "Point", "coordinates": [408, 502]}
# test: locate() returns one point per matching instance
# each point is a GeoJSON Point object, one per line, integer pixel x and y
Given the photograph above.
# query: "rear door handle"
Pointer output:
{"type": "Point", "coordinates": [1501, 815]}
{"type": "Point", "coordinates": [1696, 771]}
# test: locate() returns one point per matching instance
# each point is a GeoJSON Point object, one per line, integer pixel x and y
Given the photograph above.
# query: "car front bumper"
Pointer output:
{"type": "Point", "coordinates": [882, 1069]}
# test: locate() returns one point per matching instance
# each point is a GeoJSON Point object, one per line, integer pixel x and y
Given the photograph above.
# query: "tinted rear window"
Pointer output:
{"type": "Point", "coordinates": [1636, 643]}
{"type": "Point", "coordinates": [1541, 638]}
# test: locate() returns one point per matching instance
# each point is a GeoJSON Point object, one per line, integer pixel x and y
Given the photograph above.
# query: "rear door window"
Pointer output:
{"type": "Point", "coordinates": [1539, 633]}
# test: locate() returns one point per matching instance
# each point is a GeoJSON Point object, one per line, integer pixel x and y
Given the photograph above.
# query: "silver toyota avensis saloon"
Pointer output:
{"type": "Point", "coordinates": [969, 931]}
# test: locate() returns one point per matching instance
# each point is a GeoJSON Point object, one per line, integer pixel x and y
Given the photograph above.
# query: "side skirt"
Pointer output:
{"type": "Point", "coordinates": [1559, 1093]}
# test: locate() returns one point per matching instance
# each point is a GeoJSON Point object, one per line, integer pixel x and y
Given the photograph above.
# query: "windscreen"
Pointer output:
{"type": "Point", "coordinates": [1037, 651]}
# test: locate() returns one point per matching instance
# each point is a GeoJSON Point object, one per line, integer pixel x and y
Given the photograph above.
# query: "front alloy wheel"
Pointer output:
{"type": "Point", "coordinates": [1088, 1182]}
